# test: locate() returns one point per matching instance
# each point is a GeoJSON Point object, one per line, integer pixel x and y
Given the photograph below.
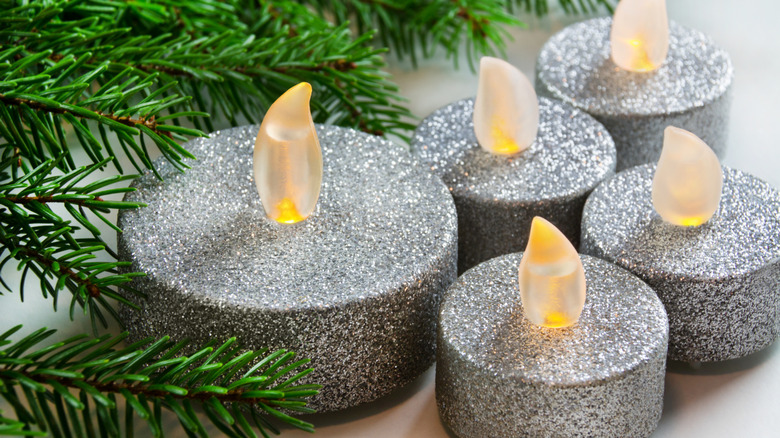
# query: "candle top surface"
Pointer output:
{"type": "Point", "coordinates": [572, 153]}
{"type": "Point", "coordinates": [380, 220]}
{"type": "Point", "coordinates": [743, 235]}
{"type": "Point", "coordinates": [576, 66]}
{"type": "Point", "coordinates": [622, 325]}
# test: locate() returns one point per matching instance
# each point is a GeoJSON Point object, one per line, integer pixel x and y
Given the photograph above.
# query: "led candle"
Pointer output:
{"type": "Point", "coordinates": [507, 156]}
{"type": "Point", "coordinates": [574, 346]}
{"type": "Point", "coordinates": [638, 73]}
{"type": "Point", "coordinates": [687, 181]}
{"type": "Point", "coordinates": [639, 37]}
{"type": "Point", "coordinates": [552, 282]}
{"type": "Point", "coordinates": [706, 238]}
{"type": "Point", "coordinates": [506, 110]}
{"type": "Point", "coordinates": [287, 158]}
{"type": "Point", "coordinates": [288, 246]}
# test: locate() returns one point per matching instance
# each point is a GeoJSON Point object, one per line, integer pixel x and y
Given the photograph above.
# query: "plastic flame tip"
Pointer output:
{"type": "Point", "coordinates": [552, 280]}
{"type": "Point", "coordinates": [288, 159]}
{"type": "Point", "coordinates": [688, 179]}
{"type": "Point", "coordinates": [640, 35]}
{"type": "Point", "coordinates": [506, 111]}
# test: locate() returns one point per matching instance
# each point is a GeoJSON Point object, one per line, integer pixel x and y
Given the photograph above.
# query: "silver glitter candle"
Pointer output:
{"type": "Point", "coordinates": [497, 196]}
{"type": "Point", "coordinates": [720, 281]}
{"type": "Point", "coordinates": [691, 90]}
{"type": "Point", "coordinates": [497, 374]}
{"type": "Point", "coordinates": [355, 287]}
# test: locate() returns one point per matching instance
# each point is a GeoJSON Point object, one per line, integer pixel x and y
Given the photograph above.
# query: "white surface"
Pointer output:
{"type": "Point", "coordinates": [738, 399]}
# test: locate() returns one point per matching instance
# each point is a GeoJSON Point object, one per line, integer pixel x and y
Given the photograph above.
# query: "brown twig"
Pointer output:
{"type": "Point", "coordinates": [338, 65]}
{"type": "Point", "coordinates": [150, 123]}
{"type": "Point", "coordinates": [232, 396]}
{"type": "Point", "coordinates": [92, 289]}
{"type": "Point", "coordinates": [277, 14]}
{"type": "Point", "coordinates": [477, 24]}
{"type": "Point", "coordinates": [48, 199]}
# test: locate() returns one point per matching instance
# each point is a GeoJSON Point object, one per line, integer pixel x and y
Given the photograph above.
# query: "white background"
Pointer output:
{"type": "Point", "coordinates": [736, 399]}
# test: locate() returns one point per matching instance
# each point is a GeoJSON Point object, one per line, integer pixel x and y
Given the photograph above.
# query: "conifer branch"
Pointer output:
{"type": "Point", "coordinates": [82, 378]}
{"type": "Point", "coordinates": [50, 263]}
{"type": "Point", "coordinates": [50, 199]}
{"type": "Point", "coordinates": [52, 107]}
{"type": "Point", "coordinates": [44, 242]}
{"type": "Point", "coordinates": [414, 27]}
{"type": "Point", "coordinates": [259, 57]}
{"type": "Point", "coordinates": [541, 7]}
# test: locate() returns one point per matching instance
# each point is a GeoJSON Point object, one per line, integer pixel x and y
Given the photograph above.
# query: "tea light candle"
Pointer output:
{"type": "Point", "coordinates": [347, 272]}
{"type": "Point", "coordinates": [576, 347]}
{"type": "Point", "coordinates": [706, 240]}
{"type": "Point", "coordinates": [638, 73]}
{"type": "Point", "coordinates": [507, 157]}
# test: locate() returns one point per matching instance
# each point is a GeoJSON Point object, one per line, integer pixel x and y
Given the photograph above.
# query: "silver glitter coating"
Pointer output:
{"type": "Point", "coordinates": [691, 90]}
{"type": "Point", "coordinates": [355, 287]}
{"type": "Point", "coordinates": [497, 196]}
{"type": "Point", "coordinates": [720, 281]}
{"type": "Point", "coordinates": [499, 374]}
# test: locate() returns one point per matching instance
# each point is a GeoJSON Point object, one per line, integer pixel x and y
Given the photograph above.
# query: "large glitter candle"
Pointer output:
{"type": "Point", "coordinates": [507, 157]}
{"type": "Point", "coordinates": [709, 245]}
{"type": "Point", "coordinates": [518, 357]}
{"type": "Point", "coordinates": [352, 282]}
{"type": "Point", "coordinates": [638, 73]}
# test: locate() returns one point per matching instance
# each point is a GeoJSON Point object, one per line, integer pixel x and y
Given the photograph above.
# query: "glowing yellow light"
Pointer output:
{"type": "Point", "coordinates": [502, 144]}
{"type": "Point", "coordinates": [552, 280]}
{"type": "Point", "coordinates": [640, 35]}
{"type": "Point", "coordinates": [506, 111]}
{"type": "Point", "coordinates": [288, 213]}
{"type": "Point", "coordinates": [688, 179]}
{"type": "Point", "coordinates": [288, 159]}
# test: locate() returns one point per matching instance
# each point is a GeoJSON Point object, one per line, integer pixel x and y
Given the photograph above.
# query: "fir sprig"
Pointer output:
{"type": "Point", "coordinates": [41, 237]}
{"type": "Point", "coordinates": [283, 44]}
{"type": "Point", "coordinates": [414, 27]}
{"type": "Point", "coordinates": [72, 388]}
{"type": "Point", "coordinates": [542, 7]}
{"type": "Point", "coordinates": [234, 57]}
{"type": "Point", "coordinates": [407, 26]}
{"type": "Point", "coordinates": [39, 95]}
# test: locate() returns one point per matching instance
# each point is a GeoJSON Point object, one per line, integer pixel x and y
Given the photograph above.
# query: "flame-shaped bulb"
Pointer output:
{"type": "Point", "coordinates": [640, 34]}
{"type": "Point", "coordinates": [506, 112]}
{"type": "Point", "coordinates": [288, 159]}
{"type": "Point", "coordinates": [688, 179]}
{"type": "Point", "coordinates": [552, 280]}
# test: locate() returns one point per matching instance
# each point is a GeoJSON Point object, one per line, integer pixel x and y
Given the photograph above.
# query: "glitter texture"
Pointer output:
{"type": "Point", "coordinates": [602, 377]}
{"type": "Point", "coordinates": [355, 287]}
{"type": "Point", "coordinates": [691, 90]}
{"type": "Point", "coordinates": [720, 282]}
{"type": "Point", "coordinates": [497, 196]}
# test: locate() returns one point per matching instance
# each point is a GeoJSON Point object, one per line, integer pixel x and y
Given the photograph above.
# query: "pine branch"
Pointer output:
{"type": "Point", "coordinates": [43, 242]}
{"type": "Point", "coordinates": [541, 7]}
{"type": "Point", "coordinates": [53, 107]}
{"type": "Point", "coordinates": [478, 27]}
{"type": "Point", "coordinates": [408, 25]}
{"type": "Point", "coordinates": [82, 376]}
{"type": "Point", "coordinates": [11, 427]}
{"type": "Point", "coordinates": [349, 87]}
{"type": "Point", "coordinates": [33, 110]}
{"type": "Point", "coordinates": [233, 67]}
